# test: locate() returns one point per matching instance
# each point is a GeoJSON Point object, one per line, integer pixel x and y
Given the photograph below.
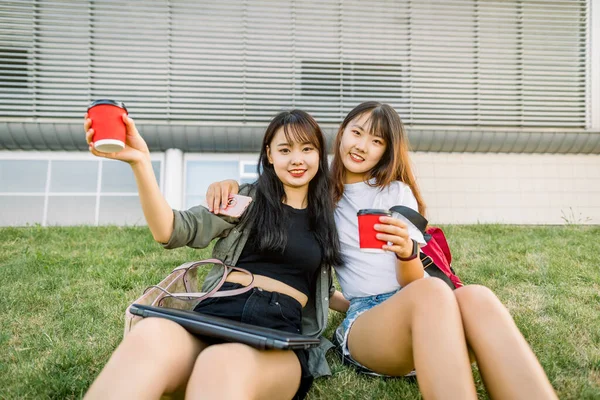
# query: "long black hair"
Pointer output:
{"type": "Point", "coordinates": [269, 221]}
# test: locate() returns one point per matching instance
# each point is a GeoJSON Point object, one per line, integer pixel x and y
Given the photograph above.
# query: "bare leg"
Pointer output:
{"type": "Point", "coordinates": [237, 371]}
{"type": "Point", "coordinates": [508, 367]}
{"type": "Point", "coordinates": [156, 357]}
{"type": "Point", "coordinates": [419, 327]}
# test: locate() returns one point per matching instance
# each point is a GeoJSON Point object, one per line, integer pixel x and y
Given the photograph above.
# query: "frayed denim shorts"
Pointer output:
{"type": "Point", "coordinates": [358, 305]}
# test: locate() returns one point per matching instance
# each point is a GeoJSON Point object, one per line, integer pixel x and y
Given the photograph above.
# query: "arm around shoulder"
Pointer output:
{"type": "Point", "coordinates": [197, 227]}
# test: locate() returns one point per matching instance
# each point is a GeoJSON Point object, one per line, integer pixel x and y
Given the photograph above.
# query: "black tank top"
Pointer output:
{"type": "Point", "coordinates": [299, 261]}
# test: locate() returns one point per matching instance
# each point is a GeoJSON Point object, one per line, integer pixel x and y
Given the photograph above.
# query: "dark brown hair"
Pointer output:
{"type": "Point", "coordinates": [394, 165]}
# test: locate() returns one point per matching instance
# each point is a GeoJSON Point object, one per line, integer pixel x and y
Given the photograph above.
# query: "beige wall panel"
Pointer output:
{"type": "Point", "coordinates": [467, 188]}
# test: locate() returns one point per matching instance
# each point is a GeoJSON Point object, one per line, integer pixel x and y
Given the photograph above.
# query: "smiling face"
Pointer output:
{"type": "Point", "coordinates": [295, 164]}
{"type": "Point", "coordinates": [360, 149]}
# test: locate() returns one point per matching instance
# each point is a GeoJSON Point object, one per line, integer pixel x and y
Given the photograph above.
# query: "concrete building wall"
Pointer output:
{"type": "Point", "coordinates": [467, 188]}
{"type": "Point", "coordinates": [74, 188]}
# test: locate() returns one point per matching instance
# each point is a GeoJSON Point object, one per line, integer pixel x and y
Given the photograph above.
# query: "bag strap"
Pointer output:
{"type": "Point", "coordinates": [191, 264]}
{"type": "Point", "coordinates": [199, 296]}
{"type": "Point", "coordinates": [425, 260]}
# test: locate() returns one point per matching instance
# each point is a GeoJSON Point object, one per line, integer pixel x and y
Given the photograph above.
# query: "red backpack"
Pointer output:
{"type": "Point", "coordinates": [437, 259]}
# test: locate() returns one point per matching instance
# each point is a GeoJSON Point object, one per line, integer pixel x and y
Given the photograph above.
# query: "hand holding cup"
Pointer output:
{"type": "Point", "coordinates": [380, 231]}
{"type": "Point", "coordinates": [395, 233]}
{"type": "Point", "coordinates": [135, 148]}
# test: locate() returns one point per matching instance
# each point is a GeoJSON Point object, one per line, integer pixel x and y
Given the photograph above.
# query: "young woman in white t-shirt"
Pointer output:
{"type": "Point", "coordinates": [396, 322]}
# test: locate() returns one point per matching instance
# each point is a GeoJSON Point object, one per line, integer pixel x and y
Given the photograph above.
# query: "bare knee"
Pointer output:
{"type": "Point", "coordinates": [230, 355]}
{"type": "Point", "coordinates": [474, 294]}
{"type": "Point", "coordinates": [426, 297]}
{"type": "Point", "coordinates": [431, 290]}
{"type": "Point", "coordinates": [153, 336]}
{"type": "Point", "coordinates": [156, 329]}
{"type": "Point", "coordinates": [218, 366]}
{"type": "Point", "coordinates": [477, 299]}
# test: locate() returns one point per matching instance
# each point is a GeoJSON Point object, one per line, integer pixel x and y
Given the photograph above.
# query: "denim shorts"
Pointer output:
{"type": "Point", "coordinates": [262, 308]}
{"type": "Point", "coordinates": [358, 305]}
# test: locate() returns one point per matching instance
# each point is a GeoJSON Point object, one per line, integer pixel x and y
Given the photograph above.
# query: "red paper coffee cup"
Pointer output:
{"type": "Point", "coordinates": [107, 122]}
{"type": "Point", "coordinates": [367, 218]}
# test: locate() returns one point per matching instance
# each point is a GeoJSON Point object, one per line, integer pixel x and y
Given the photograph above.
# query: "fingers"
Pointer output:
{"type": "Point", "coordinates": [393, 221]}
{"type": "Point", "coordinates": [403, 250]}
{"type": "Point", "coordinates": [99, 153]}
{"type": "Point", "coordinates": [210, 196]}
{"type": "Point", "coordinates": [218, 194]}
{"type": "Point", "coordinates": [130, 125]}
{"type": "Point", "coordinates": [213, 198]}
{"type": "Point", "coordinates": [395, 232]}
{"type": "Point", "coordinates": [89, 134]}
{"type": "Point", "coordinates": [392, 230]}
{"type": "Point", "coordinates": [87, 123]}
{"type": "Point", "coordinates": [216, 203]}
{"type": "Point", "coordinates": [224, 196]}
{"type": "Point", "coordinates": [396, 239]}
{"type": "Point", "coordinates": [234, 186]}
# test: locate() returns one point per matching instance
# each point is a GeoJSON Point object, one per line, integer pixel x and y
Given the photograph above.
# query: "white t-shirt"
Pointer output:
{"type": "Point", "coordinates": [367, 274]}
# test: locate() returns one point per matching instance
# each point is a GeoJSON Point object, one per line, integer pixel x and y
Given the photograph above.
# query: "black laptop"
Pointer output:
{"type": "Point", "coordinates": [228, 330]}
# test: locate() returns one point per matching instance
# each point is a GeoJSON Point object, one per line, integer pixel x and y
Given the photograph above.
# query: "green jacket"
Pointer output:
{"type": "Point", "coordinates": [197, 227]}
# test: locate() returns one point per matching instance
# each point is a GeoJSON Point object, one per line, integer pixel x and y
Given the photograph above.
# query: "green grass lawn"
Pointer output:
{"type": "Point", "coordinates": [63, 292]}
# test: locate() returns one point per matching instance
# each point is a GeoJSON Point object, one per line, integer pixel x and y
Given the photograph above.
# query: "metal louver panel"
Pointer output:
{"type": "Point", "coordinates": [243, 139]}
{"type": "Point", "coordinates": [472, 63]}
{"type": "Point", "coordinates": [16, 59]}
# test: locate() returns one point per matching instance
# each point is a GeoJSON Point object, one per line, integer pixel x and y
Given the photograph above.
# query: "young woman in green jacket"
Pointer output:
{"type": "Point", "coordinates": [286, 237]}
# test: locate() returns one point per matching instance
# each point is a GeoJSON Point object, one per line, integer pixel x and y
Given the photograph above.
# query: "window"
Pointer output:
{"type": "Point", "coordinates": [200, 174]}
{"type": "Point", "coordinates": [69, 189]}
{"type": "Point", "coordinates": [203, 169]}
{"type": "Point", "coordinates": [22, 191]}
{"type": "Point", "coordinates": [248, 172]}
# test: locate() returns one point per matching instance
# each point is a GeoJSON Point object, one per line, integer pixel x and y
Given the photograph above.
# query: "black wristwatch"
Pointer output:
{"type": "Point", "coordinates": [414, 254]}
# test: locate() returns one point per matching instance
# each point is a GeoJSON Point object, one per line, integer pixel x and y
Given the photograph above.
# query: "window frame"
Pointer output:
{"type": "Point", "coordinates": [241, 158]}
{"type": "Point", "coordinates": [51, 156]}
